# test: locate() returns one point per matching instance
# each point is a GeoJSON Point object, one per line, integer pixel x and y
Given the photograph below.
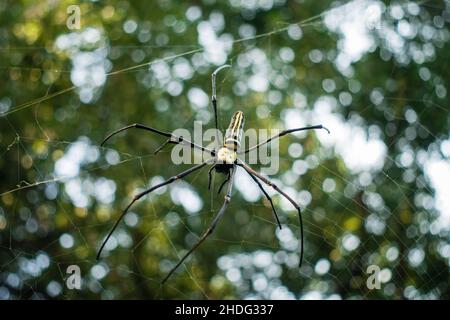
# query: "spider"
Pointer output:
{"type": "Point", "coordinates": [224, 160]}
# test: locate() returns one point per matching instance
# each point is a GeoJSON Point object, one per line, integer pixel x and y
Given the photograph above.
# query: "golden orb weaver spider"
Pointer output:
{"type": "Point", "coordinates": [224, 161]}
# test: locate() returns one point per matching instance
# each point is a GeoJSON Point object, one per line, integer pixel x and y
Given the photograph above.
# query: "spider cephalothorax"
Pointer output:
{"type": "Point", "coordinates": [224, 160]}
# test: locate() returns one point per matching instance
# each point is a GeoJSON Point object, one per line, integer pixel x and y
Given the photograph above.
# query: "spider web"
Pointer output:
{"type": "Point", "coordinates": [251, 265]}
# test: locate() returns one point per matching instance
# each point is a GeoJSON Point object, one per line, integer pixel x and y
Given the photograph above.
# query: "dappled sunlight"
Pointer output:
{"type": "Point", "coordinates": [373, 192]}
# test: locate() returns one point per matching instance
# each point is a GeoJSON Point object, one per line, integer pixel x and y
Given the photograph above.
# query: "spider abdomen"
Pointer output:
{"type": "Point", "coordinates": [233, 135]}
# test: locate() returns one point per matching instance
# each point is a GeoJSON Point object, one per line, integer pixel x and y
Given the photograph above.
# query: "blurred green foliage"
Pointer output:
{"type": "Point", "coordinates": [62, 91]}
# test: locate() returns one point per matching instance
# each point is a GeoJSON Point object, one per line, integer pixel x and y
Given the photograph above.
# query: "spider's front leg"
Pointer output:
{"type": "Point", "coordinates": [267, 197]}
{"type": "Point", "coordinates": [253, 173]}
{"type": "Point", "coordinates": [145, 192]}
{"type": "Point", "coordinates": [210, 228]}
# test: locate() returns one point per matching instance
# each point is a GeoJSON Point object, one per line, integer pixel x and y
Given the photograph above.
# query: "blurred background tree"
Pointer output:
{"type": "Point", "coordinates": [373, 192]}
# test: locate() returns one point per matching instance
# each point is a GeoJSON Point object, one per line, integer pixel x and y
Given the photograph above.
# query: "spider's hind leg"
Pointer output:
{"type": "Point", "coordinates": [171, 138]}
{"type": "Point", "coordinates": [214, 98]}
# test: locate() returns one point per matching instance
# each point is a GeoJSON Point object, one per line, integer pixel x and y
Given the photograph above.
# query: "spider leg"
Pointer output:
{"type": "Point", "coordinates": [282, 133]}
{"type": "Point", "coordinates": [172, 138]}
{"type": "Point", "coordinates": [223, 183]}
{"type": "Point", "coordinates": [210, 177]}
{"type": "Point", "coordinates": [214, 98]}
{"type": "Point", "coordinates": [145, 192]}
{"type": "Point", "coordinates": [210, 228]}
{"type": "Point", "coordinates": [273, 185]}
{"type": "Point", "coordinates": [268, 198]}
